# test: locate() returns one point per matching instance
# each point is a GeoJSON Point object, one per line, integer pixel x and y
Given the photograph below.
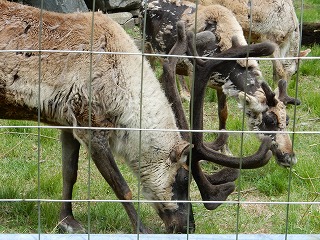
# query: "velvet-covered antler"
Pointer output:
{"type": "Point", "coordinates": [283, 94]}
{"type": "Point", "coordinates": [169, 76]}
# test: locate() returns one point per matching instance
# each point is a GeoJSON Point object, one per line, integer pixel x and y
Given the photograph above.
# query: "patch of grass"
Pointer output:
{"type": "Point", "coordinates": [310, 8]}
{"type": "Point", "coordinates": [310, 66]}
{"type": "Point", "coordinates": [134, 32]}
{"type": "Point", "coordinates": [273, 183]}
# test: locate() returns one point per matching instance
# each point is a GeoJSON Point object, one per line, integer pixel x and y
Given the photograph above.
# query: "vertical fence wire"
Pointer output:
{"type": "Point", "coordinates": [39, 117]}
{"type": "Point", "coordinates": [89, 86]}
{"type": "Point", "coordinates": [294, 125]}
{"type": "Point", "coordinates": [250, 5]}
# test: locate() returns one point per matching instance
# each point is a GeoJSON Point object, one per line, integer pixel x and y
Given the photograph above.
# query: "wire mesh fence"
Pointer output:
{"type": "Point", "coordinates": [94, 86]}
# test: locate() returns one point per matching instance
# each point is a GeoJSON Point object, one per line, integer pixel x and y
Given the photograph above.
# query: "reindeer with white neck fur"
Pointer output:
{"type": "Point", "coordinates": [40, 80]}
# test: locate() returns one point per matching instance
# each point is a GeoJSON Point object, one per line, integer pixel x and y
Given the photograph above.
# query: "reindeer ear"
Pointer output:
{"type": "Point", "coordinates": [304, 53]}
{"type": "Point", "coordinates": [182, 148]}
{"type": "Point", "coordinates": [270, 95]}
{"type": "Point", "coordinates": [235, 42]}
{"type": "Point", "coordinates": [251, 102]}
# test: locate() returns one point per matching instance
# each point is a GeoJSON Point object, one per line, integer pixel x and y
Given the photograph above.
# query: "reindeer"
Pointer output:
{"type": "Point", "coordinates": [272, 20]}
{"type": "Point", "coordinates": [56, 70]}
{"type": "Point", "coordinates": [216, 26]}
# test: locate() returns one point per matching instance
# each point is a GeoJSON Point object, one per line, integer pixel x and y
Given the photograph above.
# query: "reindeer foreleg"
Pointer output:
{"type": "Point", "coordinates": [223, 116]}
{"type": "Point", "coordinates": [70, 156]}
{"type": "Point", "coordinates": [222, 109]}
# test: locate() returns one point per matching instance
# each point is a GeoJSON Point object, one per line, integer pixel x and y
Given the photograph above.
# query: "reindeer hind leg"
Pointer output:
{"type": "Point", "coordinates": [70, 157]}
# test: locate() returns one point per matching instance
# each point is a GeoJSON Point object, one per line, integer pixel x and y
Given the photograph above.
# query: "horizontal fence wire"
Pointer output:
{"type": "Point", "coordinates": [158, 237]}
{"type": "Point", "coordinates": [288, 202]}
{"type": "Point", "coordinates": [158, 55]}
{"type": "Point", "coordinates": [162, 201]}
{"type": "Point", "coordinates": [149, 130]}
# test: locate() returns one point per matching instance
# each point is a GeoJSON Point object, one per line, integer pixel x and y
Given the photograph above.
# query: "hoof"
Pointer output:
{"type": "Point", "coordinates": [70, 225]}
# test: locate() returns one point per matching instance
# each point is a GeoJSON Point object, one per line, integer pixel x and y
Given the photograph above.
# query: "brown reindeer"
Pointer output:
{"type": "Point", "coordinates": [83, 71]}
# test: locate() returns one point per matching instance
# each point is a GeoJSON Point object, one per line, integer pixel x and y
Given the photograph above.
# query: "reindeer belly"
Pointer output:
{"type": "Point", "coordinates": [17, 112]}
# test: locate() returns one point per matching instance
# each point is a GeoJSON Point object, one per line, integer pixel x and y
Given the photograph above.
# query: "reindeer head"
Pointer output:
{"type": "Point", "coordinates": [171, 185]}
{"type": "Point", "coordinates": [180, 219]}
{"type": "Point", "coordinates": [267, 113]}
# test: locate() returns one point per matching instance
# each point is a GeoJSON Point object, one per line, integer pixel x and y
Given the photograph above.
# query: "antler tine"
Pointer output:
{"type": "Point", "coordinates": [269, 94]}
{"type": "Point", "coordinates": [265, 48]}
{"type": "Point", "coordinates": [283, 94]}
{"type": "Point", "coordinates": [219, 142]}
{"type": "Point", "coordinates": [191, 50]}
{"type": "Point", "coordinates": [169, 81]}
{"type": "Point", "coordinates": [180, 47]}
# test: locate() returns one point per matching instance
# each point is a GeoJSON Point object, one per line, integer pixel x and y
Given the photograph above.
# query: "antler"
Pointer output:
{"type": "Point", "coordinates": [283, 95]}
{"type": "Point", "coordinates": [218, 186]}
{"type": "Point", "coordinates": [203, 71]}
{"type": "Point", "coordinates": [168, 79]}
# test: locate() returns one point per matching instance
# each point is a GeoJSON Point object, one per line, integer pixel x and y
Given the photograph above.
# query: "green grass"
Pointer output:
{"type": "Point", "coordinates": [311, 67]}
{"type": "Point", "coordinates": [311, 10]}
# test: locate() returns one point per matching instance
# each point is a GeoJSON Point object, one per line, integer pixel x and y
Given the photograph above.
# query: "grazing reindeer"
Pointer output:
{"type": "Point", "coordinates": [216, 27]}
{"type": "Point", "coordinates": [39, 80]}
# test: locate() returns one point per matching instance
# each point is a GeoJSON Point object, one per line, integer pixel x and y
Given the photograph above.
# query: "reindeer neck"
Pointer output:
{"type": "Point", "coordinates": [155, 114]}
{"type": "Point", "coordinates": [147, 151]}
